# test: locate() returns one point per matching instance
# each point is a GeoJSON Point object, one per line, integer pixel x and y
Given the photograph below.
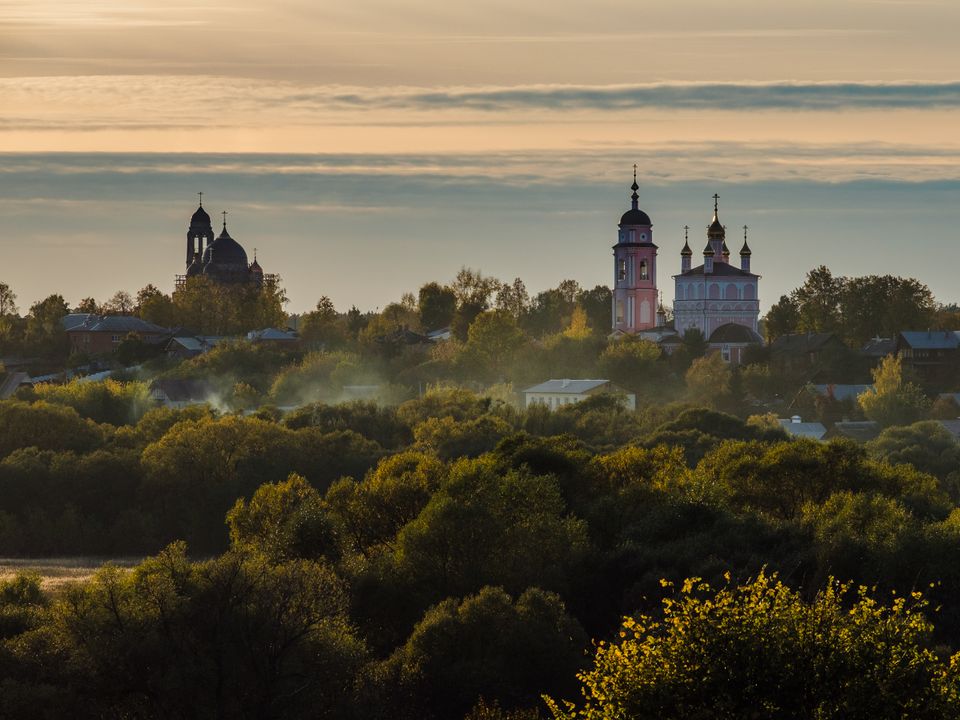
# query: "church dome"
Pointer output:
{"type": "Point", "coordinates": [226, 253]}
{"type": "Point", "coordinates": [200, 219]}
{"type": "Point", "coordinates": [635, 216]}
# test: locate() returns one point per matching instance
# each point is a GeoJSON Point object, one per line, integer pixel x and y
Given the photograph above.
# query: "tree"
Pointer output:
{"type": "Point", "coordinates": [596, 303]}
{"type": "Point", "coordinates": [759, 651]}
{"type": "Point", "coordinates": [928, 446]}
{"type": "Point", "coordinates": [44, 332]}
{"type": "Point", "coordinates": [708, 380]}
{"type": "Point", "coordinates": [472, 288]}
{"type": "Point", "coordinates": [513, 298]}
{"type": "Point", "coordinates": [89, 306]}
{"type": "Point", "coordinates": [283, 521]}
{"type": "Point", "coordinates": [154, 306]}
{"type": "Point", "coordinates": [819, 301]}
{"type": "Point", "coordinates": [436, 305]}
{"type": "Point", "coordinates": [8, 300]}
{"type": "Point", "coordinates": [883, 306]}
{"type": "Point", "coordinates": [891, 401]}
{"type": "Point", "coordinates": [491, 646]}
{"type": "Point", "coordinates": [579, 328]}
{"type": "Point", "coordinates": [492, 341]}
{"type": "Point", "coordinates": [322, 325]}
{"type": "Point", "coordinates": [630, 363]}
{"type": "Point", "coordinates": [783, 318]}
{"type": "Point", "coordinates": [120, 304]}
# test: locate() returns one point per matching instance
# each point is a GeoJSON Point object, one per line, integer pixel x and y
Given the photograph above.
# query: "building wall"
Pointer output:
{"type": "Point", "coordinates": [634, 280]}
{"type": "Point", "coordinates": [707, 303]}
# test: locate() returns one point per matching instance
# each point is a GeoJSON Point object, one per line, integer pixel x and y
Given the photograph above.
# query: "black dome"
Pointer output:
{"type": "Point", "coordinates": [735, 333]}
{"type": "Point", "coordinates": [227, 253]}
{"type": "Point", "coordinates": [635, 217]}
{"type": "Point", "coordinates": [200, 218]}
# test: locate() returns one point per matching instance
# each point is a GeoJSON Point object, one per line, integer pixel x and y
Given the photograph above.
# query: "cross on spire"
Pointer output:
{"type": "Point", "coordinates": [716, 202]}
{"type": "Point", "coordinates": [634, 172]}
{"type": "Point", "coordinates": [224, 219]}
{"type": "Point", "coordinates": [201, 198]}
{"type": "Point", "coordinates": [686, 233]}
{"type": "Point", "coordinates": [744, 233]}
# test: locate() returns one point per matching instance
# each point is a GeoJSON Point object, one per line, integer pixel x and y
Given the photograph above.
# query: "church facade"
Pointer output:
{"type": "Point", "coordinates": [716, 292]}
{"type": "Point", "coordinates": [219, 258]}
{"type": "Point", "coordinates": [716, 297]}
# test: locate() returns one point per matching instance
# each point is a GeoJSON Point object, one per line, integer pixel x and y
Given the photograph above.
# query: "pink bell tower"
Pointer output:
{"type": "Point", "coordinates": [634, 270]}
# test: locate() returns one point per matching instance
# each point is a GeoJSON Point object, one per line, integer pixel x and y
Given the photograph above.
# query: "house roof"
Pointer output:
{"type": "Point", "coordinates": [859, 430]}
{"type": "Point", "coordinates": [734, 333]}
{"type": "Point", "coordinates": [840, 392]}
{"type": "Point", "coordinates": [566, 386]}
{"type": "Point", "coordinates": [952, 426]}
{"type": "Point", "coordinates": [112, 324]}
{"type": "Point", "coordinates": [10, 383]}
{"type": "Point", "coordinates": [802, 342]}
{"type": "Point", "coordinates": [879, 347]}
{"type": "Point", "coordinates": [931, 339]}
{"type": "Point", "coordinates": [720, 269]}
{"type": "Point", "coordinates": [271, 334]}
{"type": "Point", "coordinates": [812, 430]}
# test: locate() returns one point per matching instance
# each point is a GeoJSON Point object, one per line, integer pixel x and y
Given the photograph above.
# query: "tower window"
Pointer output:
{"type": "Point", "coordinates": [621, 270]}
{"type": "Point", "coordinates": [644, 273]}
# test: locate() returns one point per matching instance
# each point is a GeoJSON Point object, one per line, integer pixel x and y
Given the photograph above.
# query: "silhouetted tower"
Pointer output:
{"type": "Point", "coordinates": [200, 233]}
{"type": "Point", "coordinates": [634, 269]}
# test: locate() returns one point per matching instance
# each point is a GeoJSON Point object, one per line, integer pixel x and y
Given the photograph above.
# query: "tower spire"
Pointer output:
{"type": "Point", "coordinates": [716, 203]}
{"type": "Point", "coordinates": [201, 198]}
{"type": "Point", "coordinates": [634, 198]}
{"type": "Point", "coordinates": [224, 219]}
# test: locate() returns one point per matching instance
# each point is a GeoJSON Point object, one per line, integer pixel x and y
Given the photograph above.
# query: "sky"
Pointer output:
{"type": "Point", "coordinates": [367, 148]}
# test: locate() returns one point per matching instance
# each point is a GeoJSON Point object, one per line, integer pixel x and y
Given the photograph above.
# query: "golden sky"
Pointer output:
{"type": "Point", "coordinates": [313, 120]}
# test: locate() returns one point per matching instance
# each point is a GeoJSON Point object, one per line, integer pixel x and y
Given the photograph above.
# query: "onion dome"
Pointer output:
{"type": "Point", "coordinates": [686, 252]}
{"type": "Point", "coordinates": [725, 251]}
{"type": "Point", "coordinates": [255, 268]}
{"type": "Point", "coordinates": [745, 250]}
{"type": "Point", "coordinates": [225, 253]}
{"type": "Point", "coordinates": [716, 230]}
{"type": "Point", "coordinates": [200, 218]}
{"type": "Point", "coordinates": [635, 216]}
{"type": "Point", "coordinates": [708, 251]}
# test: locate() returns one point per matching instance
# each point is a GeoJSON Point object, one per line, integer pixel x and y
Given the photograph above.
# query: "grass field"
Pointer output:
{"type": "Point", "coordinates": [57, 572]}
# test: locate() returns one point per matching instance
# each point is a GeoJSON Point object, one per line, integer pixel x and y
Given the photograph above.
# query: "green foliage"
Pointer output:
{"type": "Point", "coordinates": [927, 446]}
{"type": "Point", "coordinates": [106, 401]}
{"type": "Point", "coordinates": [891, 401]}
{"type": "Point", "coordinates": [484, 527]}
{"type": "Point", "coordinates": [759, 651]}
{"type": "Point", "coordinates": [282, 520]}
{"type": "Point", "coordinates": [212, 308]}
{"type": "Point", "coordinates": [709, 381]}
{"type": "Point", "coordinates": [436, 306]}
{"type": "Point", "coordinates": [630, 363]}
{"type": "Point", "coordinates": [487, 645]}
{"type": "Point", "coordinates": [450, 439]}
{"type": "Point", "coordinates": [45, 426]}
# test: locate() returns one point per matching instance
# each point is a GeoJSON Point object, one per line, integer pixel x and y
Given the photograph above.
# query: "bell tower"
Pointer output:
{"type": "Point", "coordinates": [199, 234]}
{"type": "Point", "coordinates": [634, 269]}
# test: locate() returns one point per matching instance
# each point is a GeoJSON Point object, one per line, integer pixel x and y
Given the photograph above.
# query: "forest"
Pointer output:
{"type": "Point", "coordinates": [442, 551]}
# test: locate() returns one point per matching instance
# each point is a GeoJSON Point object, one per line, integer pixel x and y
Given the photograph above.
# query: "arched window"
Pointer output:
{"type": "Point", "coordinates": [714, 291]}
{"type": "Point", "coordinates": [731, 292]}
{"type": "Point", "coordinates": [644, 272]}
{"type": "Point", "coordinates": [748, 291]}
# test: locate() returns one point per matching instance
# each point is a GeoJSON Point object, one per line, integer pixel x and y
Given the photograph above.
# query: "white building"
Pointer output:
{"type": "Point", "coordinates": [557, 393]}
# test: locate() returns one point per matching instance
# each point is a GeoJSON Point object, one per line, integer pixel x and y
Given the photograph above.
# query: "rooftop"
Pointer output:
{"type": "Point", "coordinates": [566, 386]}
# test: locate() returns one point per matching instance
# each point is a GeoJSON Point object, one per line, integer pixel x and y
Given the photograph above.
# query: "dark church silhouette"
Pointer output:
{"type": "Point", "coordinates": [222, 259]}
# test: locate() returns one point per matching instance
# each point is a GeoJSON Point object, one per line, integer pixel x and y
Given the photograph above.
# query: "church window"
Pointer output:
{"type": "Point", "coordinates": [633, 236]}
{"type": "Point", "coordinates": [714, 291]}
{"type": "Point", "coordinates": [621, 270]}
{"type": "Point", "coordinates": [619, 313]}
{"type": "Point", "coordinates": [748, 291]}
{"type": "Point", "coordinates": [732, 292]}
{"type": "Point", "coordinates": [631, 312]}
{"type": "Point", "coordinates": [725, 353]}
{"type": "Point", "coordinates": [644, 271]}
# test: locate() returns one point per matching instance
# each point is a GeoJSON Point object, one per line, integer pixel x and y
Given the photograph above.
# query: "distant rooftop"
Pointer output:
{"type": "Point", "coordinates": [566, 386]}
